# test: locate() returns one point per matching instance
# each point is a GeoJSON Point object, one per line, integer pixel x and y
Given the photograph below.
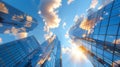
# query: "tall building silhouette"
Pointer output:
{"type": "Point", "coordinates": [103, 44]}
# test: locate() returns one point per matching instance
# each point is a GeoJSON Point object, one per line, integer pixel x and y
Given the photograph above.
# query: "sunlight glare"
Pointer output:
{"type": "Point", "coordinates": [77, 53]}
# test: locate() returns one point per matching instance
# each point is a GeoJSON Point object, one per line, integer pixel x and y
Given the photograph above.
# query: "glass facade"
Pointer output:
{"type": "Point", "coordinates": [103, 44]}
{"type": "Point", "coordinates": [54, 58]}
{"type": "Point", "coordinates": [18, 53]}
{"type": "Point", "coordinates": [12, 17]}
{"type": "Point", "coordinates": [28, 52]}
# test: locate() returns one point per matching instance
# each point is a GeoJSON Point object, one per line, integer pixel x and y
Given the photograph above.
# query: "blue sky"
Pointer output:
{"type": "Point", "coordinates": [66, 13]}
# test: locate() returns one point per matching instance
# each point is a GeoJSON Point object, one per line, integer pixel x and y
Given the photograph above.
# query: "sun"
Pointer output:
{"type": "Point", "coordinates": [77, 53]}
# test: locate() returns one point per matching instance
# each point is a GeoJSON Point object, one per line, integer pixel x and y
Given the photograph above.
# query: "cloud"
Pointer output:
{"type": "Point", "coordinates": [39, 12]}
{"type": "Point", "coordinates": [76, 18]}
{"type": "Point", "coordinates": [74, 51]}
{"type": "Point", "coordinates": [29, 18]}
{"type": "Point", "coordinates": [46, 29]}
{"type": "Point", "coordinates": [49, 13]}
{"type": "Point", "coordinates": [22, 35]}
{"type": "Point", "coordinates": [69, 2]}
{"type": "Point", "coordinates": [51, 38]}
{"type": "Point", "coordinates": [66, 50]}
{"type": "Point", "coordinates": [0, 40]}
{"type": "Point", "coordinates": [94, 3]}
{"type": "Point", "coordinates": [7, 31]}
{"type": "Point", "coordinates": [20, 18]}
{"type": "Point", "coordinates": [84, 35]}
{"type": "Point", "coordinates": [14, 30]}
{"type": "Point", "coordinates": [17, 17]}
{"type": "Point", "coordinates": [116, 41]}
{"type": "Point", "coordinates": [18, 32]}
{"type": "Point", "coordinates": [104, 3]}
{"type": "Point", "coordinates": [87, 24]}
{"type": "Point", "coordinates": [3, 8]}
{"type": "Point", "coordinates": [48, 35]}
{"type": "Point", "coordinates": [64, 24]}
{"type": "Point", "coordinates": [67, 35]}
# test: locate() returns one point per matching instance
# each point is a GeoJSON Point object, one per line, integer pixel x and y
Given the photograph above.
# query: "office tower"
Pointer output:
{"type": "Point", "coordinates": [18, 53]}
{"type": "Point", "coordinates": [27, 52]}
{"type": "Point", "coordinates": [12, 18]}
{"type": "Point", "coordinates": [52, 50]}
{"type": "Point", "coordinates": [103, 44]}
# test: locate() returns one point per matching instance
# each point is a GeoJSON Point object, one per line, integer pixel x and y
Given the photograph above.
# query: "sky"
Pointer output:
{"type": "Point", "coordinates": [55, 17]}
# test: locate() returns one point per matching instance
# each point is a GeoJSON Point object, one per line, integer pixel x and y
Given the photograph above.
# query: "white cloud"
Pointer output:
{"type": "Point", "coordinates": [3, 8]}
{"type": "Point", "coordinates": [39, 12]}
{"type": "Point", "coordinates": [0, 40]}
{"type": "Point", "coordinates": [48, 35]}
{"type": "Point", "coordinates": [66, 50]}
{"type": "Point", "coordinates": [14, 31]}
{"type": "Point", "coordinates": [7, 31]}
{"type": "Point", "coordinates": [67, 35]}
{"type": "Point", "coordinates": [18, 32]}
{"type": "Point", "coordinates": [69, 1]}
{"type": "Point", "coordinates": [49, 14]}
{"type": "Point", "coordinates": [74, 51]}
{"type": "Point", "coordinates": [116, 41]}
{"type": "Point", "coordinates": [94, 3]}
{"type": "Point", "coordinates": [64, 24]}
{"type": "Point", "coordinates": [76, 18]}
{"type": "Point", "coordinates": [104, 3]}
{"type": "Point", "coordinates": [17, 17]}
{"type": "Point", "coordinates": [87, 24]}
{"type": "Point", "coordinates": [22, 35]}
{"type": "Point", "coordinates": [29, 18]}
{"type": "Point", "coordinates": [84, 35]}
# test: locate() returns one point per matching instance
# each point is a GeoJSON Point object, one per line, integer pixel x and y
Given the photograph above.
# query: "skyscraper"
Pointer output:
{"type": "Point", "coordinates": [12, 18]}
{"type": "Point", "coordinates": [27, 52]}
{"type": "Point", "coordinates": [52, 52]}
{"type": "Point", "coordinates": [103, 43]}
{"type": "Point", "coordinates": [18, 53]}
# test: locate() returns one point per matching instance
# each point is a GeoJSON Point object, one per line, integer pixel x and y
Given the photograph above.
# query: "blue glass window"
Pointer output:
{"type": "Point", "coordinates": [116, 11]}
{"type": "Point", "coordinates": [114, 20]}
{"type": "Point", "coordinates": [112, 30]}
{"type": "Point", "coordinates": [103, 30]}
{"type": "Point", "coordinates": [104, 22]}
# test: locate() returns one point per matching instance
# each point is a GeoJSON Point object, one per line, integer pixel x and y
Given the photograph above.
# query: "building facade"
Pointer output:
{"type": "Point", "coordinates": [27, 52]}
{"type": "Point", "coordinates": [18, 53]}
{"type": "Point", "coordinates": [11, 17]}
{"type": "Point", "coordinates": [103, 44]}
{"type": "Point", "coordinates": [53, 54]}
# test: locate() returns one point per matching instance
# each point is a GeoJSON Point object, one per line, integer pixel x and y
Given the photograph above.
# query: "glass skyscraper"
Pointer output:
{"type": "Point", "coordinates": [11, 17]}
{"type": "Point", "coordinates": [27, 52]}
{"type": "Point", "coordinates": [18, 53]}
{"type": "Point", "coordinates": [103, 44]}
{"type": "Point", "coordinates": [52, 53]}
{"type": "Point", "coordinates": [54, 59]}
